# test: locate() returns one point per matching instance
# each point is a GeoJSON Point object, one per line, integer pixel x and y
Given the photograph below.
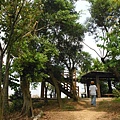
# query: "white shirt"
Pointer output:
{"type": "Point", "coordinates": [92, 89]}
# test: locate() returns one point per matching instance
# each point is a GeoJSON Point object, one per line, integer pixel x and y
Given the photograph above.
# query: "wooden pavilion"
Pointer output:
{"type": "Point", "coordinates": [98, 76]}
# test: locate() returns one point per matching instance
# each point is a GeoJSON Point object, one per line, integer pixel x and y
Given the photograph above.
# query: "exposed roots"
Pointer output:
{"type": "Point", "coordinates": [20, 116]}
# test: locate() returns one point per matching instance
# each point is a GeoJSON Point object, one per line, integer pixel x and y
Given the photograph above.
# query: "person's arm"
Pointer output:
{"type": "Point", "coordinates": [89, 90]}
{"type": "Point", "coordinates": [96, 88]}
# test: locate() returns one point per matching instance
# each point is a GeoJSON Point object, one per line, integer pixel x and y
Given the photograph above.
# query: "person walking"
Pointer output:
{"type": "Point", "coordinates": [93, 89]}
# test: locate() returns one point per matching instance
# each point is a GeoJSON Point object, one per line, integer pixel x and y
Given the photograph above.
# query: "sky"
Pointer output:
{"type": "Point", "coordinates": [83, 6]}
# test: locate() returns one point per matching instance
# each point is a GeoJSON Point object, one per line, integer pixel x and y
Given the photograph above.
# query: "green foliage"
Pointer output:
{"type": "Point", "coordinates": [68, 107]}
{"type": "Point", "coordinates": [32, 60]}
{"type": "Point", "coordinates": [97, 65]}
{"type": "Point", "coordinates": [103, 87]}
{"type": "Point", "coordinates": [18, 23]}
{"type": "Point", "coordinates": [110, 106]}
{"type": "Point", "coordinates": [116, 93]}
{"type": "Point", "coordinates": [41, 34]}
{"type": "Point", "coordinates": [63, 31]}
{"type": "Point", "coordinates": [117, 100]}
{"type": "Point", "coordinates": [90, 64]}
{"type": "Point", "coordinates": [117, 85]}
{"type": "Point", "coordinates": [85, 62]}
{"type": "Point", "coordinates": [32, 32]}
{"type": "Point", "coordinates": [105, 25]}
{"type": "Point", "coordinates": [16, 105]}
{"type": "Point", "coordinates": [17, 101]}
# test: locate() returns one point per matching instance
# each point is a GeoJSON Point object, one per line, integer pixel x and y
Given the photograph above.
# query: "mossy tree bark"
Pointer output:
{"type": "Point", "coordinates": [1, 99]}
{"type": "Point", "coordinates": [57, 89]}
{"type": "Point", "coordinates": [5, 86]}
{"type": "Point", "coordinates": [73, 86]}
{"type": "Point", "coordinates": [42, 88]}
{"type": "Point", "coordinates": [45, 99]}
{"type": "Point", "coordinates": [27, 108]}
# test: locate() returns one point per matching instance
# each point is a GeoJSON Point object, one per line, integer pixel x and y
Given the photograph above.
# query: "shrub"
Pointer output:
{"type": "Point", "coordinates": [17, 101]}
{"type": "Point", "coordinates": [116, 93]}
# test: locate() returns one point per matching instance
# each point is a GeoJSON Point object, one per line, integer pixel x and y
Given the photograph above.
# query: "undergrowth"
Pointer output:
{"type": "Point", "coordinates": [110, 106]}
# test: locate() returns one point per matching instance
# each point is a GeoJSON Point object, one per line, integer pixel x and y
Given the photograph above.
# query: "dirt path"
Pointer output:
{"type": "Point", "coordinates": [75, 115]}
{"type": "Point", "coordinates": [84, 112]}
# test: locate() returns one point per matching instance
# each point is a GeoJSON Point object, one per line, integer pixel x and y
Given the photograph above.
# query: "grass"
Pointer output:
{"type": "Point", "coordinates": [68, 107]}
{"type": "Point", "coordinates": [117, 100]}
{"type": "Point", "coordinates": [110, 106]}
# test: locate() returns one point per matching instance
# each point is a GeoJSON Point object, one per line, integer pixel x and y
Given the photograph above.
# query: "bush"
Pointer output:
{"type": "Point", "coordinates": [17, 101]}
{"type": "Point", "coordinates": [117, 100]}
{"type": "Point", "coordinates": [16, 105]}
{"type": "Point", "coordinates": [116, 93]}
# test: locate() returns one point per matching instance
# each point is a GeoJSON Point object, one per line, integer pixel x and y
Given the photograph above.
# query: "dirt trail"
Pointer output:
{"type": "Point", "coordinates": [75, 115]}
{"type": "Point", "coordinates": [82, 113]}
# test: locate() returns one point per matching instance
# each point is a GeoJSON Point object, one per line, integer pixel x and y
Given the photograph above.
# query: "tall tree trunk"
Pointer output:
{"type": "Point", "coordinates": [5, 87]}
{"type": "Point", "coordinates": [1, 100]}
{"type": "Point", "coordinates": [45, 99]}
{"type": "Point", "coordinates": [27, 104]}
{"type": "Point", "coordinates": [57, 89]}
{"type": "Point", "coordinates": [42, 88]}
{"type": "Point", "coordinates": [73, 86]}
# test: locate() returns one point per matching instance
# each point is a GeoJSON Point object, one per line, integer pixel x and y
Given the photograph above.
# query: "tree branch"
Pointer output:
{"type": "Point", "coordinates": [92, 49]}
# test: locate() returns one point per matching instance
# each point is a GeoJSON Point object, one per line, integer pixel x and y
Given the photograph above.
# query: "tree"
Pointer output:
{"type": "Point", "coordinates": [97, 65]}
{"type": "Point", "coordinates": [70, 55]}
{"type": "Point", "coordinates": [85, 62]}
{"type": "Point", "coordinates": [30, 65]}
{"type": "Point", "coordinates": [105, 25]}
{"type": "Point", "coordinates": [8, 23]}
{"type": "Point", "coordinates": [64, 31]}
{"type": "Point", "coordinates": [18, 23]}
{"type": "Point", "coordinates": [1, 93]}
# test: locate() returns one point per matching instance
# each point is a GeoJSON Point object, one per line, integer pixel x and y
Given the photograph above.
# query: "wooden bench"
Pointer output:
{"type": "Point", "coordinates": [108, 95]}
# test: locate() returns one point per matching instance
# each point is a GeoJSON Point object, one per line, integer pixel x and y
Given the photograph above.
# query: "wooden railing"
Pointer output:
{"type": "Point", "coordinates": [65, 87]}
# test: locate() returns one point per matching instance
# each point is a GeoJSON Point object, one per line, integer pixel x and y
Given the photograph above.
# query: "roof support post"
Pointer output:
{"type": "Point", "coordinates": [109, 86]}
{"type": "Point", "coordinates": [98, 86]}
{"type": "Point", "coordinates": [88, 94]}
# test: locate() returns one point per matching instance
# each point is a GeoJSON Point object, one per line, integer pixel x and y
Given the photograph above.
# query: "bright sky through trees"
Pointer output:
{"type": "Point", "coordinates": [83, 7]}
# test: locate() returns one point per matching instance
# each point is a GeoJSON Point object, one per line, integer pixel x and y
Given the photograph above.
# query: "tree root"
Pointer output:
{"type": "Point", "coordinates": [33, 117]}
{"type": "Point", "coordinates": [38, 116]}
{"type": "Point", "coordinates": [19, 117]}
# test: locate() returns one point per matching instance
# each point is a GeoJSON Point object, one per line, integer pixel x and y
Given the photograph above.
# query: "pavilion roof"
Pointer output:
{"type": "Point", "coordinates": [92, 76]}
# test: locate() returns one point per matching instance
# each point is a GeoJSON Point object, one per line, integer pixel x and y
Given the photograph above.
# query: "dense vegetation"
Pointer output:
{"type": "Point", "coordinates": [40, 39]}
